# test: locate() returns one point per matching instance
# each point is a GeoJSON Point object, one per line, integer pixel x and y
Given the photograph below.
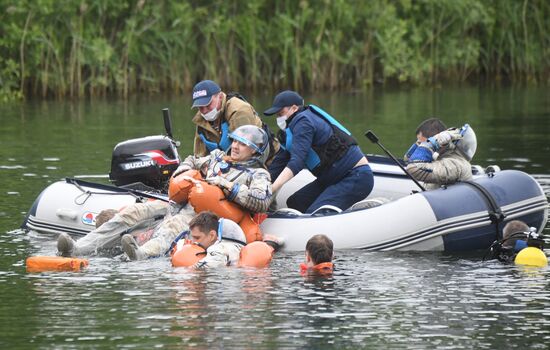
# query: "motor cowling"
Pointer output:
{"type": "Point", "coordinates": [149, 160]}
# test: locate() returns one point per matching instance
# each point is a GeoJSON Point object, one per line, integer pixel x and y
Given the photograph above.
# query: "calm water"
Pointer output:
{"type": "Point", "coordinates": [374, 300]}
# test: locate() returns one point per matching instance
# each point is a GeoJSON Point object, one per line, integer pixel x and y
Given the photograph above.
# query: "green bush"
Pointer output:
{"type": "Point", "coordinates": [67, 48]}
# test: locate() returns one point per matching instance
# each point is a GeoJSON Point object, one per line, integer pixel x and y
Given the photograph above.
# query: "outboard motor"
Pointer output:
{"type": "Point", "coordinates": [148, 160]}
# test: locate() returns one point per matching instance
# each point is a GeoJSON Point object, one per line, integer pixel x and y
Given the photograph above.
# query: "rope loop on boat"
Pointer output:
{"type": "Point", "coordinates": [87, 194]}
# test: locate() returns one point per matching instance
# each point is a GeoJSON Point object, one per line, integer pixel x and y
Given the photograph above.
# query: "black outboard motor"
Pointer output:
{"type": "Point", "coordinates": [148, 160]}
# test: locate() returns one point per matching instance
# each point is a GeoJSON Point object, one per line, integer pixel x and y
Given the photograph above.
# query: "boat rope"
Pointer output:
{"type": "Point", "coordinates": [113, 191]}
{"type": "Point", "coordinates": [495, 212]}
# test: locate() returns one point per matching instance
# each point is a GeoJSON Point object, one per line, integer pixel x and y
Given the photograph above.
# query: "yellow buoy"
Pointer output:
{"type": "Point", "coordinates": [531, 256]}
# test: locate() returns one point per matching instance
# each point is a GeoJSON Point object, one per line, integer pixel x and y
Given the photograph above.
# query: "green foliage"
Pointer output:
{"type": "Point", "coordinates": [69, 48]}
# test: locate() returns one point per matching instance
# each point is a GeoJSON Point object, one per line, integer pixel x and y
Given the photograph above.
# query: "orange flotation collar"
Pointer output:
{"type": "Point", "coordinates": [326, 267]}
{"type": "Point", "coordinates": [54, 263]}
{"type": "Point", "coordinates": [256, 254]}
{"type": "Point", "coordinates": [204, 196]}
{"type": "Point", "coordinates": [189, 186]}
{"type": "Point", "coordinates": [188, 255]}
{"type": "Point", "coordinates": [179, 186]}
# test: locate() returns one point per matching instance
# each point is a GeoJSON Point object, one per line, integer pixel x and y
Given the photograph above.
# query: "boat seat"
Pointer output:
{"type": "Point", "coordinates": [326, 209]}
{"type": "Point", "coordinates": [288, 211]}
{"type": "Point", "coordinates": [369, 203]}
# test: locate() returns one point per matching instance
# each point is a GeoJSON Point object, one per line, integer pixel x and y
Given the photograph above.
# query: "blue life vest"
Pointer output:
{"type": "Point", "coordinates": [337, 145]}
{"type": "Point", "coordinates": [224, 143]}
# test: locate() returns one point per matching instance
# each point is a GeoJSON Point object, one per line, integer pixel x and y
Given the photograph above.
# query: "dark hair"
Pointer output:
{"type": "Point", "coordinates": [431, 127]}
{"type": "Point", "coordinates": [319, 248]}
{"type": "Point", "coordinates": [512, 227]}
{"type": "Point", "coordinates": [205, 222]}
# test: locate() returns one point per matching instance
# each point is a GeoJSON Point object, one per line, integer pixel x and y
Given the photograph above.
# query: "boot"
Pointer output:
{"type": "Point", "coordinates": [131, 248]}
{"type": "Point", "coordinates": [65, 245]}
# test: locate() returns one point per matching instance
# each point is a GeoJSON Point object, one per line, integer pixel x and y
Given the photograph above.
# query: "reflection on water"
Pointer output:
{"type": "Point", "coordinates": [373, 299]}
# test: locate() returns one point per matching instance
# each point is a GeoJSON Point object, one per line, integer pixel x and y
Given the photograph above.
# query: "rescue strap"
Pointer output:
{"type": "Point", "coordinates": [495, 212]}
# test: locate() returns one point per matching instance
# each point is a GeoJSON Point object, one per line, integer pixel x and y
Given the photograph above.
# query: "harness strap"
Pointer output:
{"type": "Point", "coordinates": [495, 212]}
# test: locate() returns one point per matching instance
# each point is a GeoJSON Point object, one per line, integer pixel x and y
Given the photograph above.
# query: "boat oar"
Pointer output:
{"type": "Point", "coordinates": [167, 122]}
{"type": "Point", "coordinates": [374, 139]}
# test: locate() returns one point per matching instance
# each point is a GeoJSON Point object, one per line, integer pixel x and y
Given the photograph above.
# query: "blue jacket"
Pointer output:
{"type": "Point", "coordinates": [308, 130]}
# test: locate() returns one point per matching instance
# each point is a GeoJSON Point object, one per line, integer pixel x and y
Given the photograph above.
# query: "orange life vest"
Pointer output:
{"type": "Point", "coordinates": [188, 255]}
{"type": "Point", "coordinates": [256, 254]}
{"type": "Point", "coordinates": [203, 196]}
{"type": "Point", "coordinates": [322, 268]}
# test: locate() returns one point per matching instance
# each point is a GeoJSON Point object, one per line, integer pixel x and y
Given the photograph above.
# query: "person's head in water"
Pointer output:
{"type": "Point", "coordinates": [319, 249]}
{"type": "Point", "coordinates": [512, 232]}
{"type": "Point", "coordinates": [428, 128]}
{"type": "Point", "coordinates": [204, 229]}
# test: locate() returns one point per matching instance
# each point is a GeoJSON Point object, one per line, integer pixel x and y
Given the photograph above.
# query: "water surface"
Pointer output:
{"type": "Point", "coordinates": [373, 300]}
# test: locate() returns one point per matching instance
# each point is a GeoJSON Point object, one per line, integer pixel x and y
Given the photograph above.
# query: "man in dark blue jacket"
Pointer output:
{"type": "Point", "coordinates": [318, 142]}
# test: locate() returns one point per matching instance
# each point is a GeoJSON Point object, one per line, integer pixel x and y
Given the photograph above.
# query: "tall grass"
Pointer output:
{"type": "Point", "coordinates": [69, 48]}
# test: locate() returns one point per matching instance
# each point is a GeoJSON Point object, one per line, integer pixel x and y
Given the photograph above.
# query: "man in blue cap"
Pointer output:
{"type": "Point", "coordinates": [318, 142]}
{"type": "Point", "coordinates": [219, 114]}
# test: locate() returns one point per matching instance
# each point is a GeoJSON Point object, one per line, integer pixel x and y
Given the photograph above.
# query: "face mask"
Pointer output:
{"type": "Point", "coordinates": [281, 122]}
{"type": "Point", "coordinates": [210, 116]}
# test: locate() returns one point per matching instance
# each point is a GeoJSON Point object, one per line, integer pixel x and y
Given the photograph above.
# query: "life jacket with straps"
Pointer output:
{"type": "Point", "coordinates": [189, 187]}
{"type": "Point", "coordinates": [225, 141]}
{"type": "Point", "coordinates": [256, 254]}
{"type": "Point", "coordinates": [320, 156]}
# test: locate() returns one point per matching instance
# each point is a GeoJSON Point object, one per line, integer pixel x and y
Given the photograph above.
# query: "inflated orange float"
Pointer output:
{"type": "Point", "coordinates": [54, 263]}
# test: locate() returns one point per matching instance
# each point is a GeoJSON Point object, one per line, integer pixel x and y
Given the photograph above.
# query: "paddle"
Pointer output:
{"type": "Point", "coordinates": [374, 139]}
{"type": "Point", "coordinates": [167, 122]}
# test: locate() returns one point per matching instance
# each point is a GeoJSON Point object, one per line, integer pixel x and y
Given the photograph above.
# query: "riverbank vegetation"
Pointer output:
{"type": "Point", "coordinates": [66, 48]}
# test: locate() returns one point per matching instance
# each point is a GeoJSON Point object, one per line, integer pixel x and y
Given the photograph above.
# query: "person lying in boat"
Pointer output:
{"type": "Point", "coordinates": [241, 175]}
{"type": "Point", "coordinates": [316, 141]}
{"type": "Point", "coordinates": [219, 114]}
{"type": "Point", "coordinates": [319, 255]}
{"type": "Point", "coordinates": [435, 159]}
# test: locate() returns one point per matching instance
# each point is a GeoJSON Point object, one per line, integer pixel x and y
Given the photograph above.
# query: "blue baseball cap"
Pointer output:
{"type": "Point", "coordinates": [203, 92]}
{"type": "Point", "coordinates": [284, 99]}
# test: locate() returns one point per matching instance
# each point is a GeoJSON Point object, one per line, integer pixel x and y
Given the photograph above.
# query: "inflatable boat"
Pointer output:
{"type": "Point", "coordinates": [396, 215]}
{"type": "Point", "coordinates": [465, 216]}
{"type": "Point", "coordinates": [462, 217]}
